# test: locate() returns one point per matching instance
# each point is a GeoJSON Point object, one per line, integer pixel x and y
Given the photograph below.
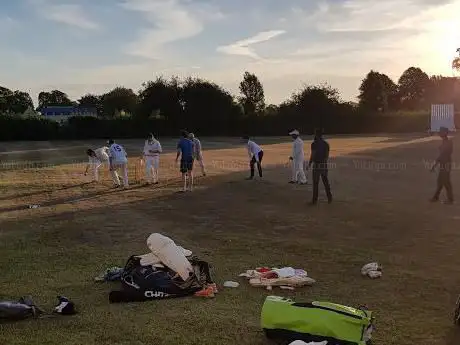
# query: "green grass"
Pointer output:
{"type": "Point", "coordinates": [236, 225]}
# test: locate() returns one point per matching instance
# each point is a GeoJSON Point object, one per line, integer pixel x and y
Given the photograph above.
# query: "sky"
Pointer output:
{"type": "Point", "coordinates": [88, 46]}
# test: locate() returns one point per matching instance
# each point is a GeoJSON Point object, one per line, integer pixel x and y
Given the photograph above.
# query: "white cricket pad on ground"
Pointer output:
{"type": "Point", "coordinates": [442, 115]}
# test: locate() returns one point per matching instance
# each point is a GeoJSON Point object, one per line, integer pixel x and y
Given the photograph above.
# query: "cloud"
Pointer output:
{"type": "Point", "coordinates": [243, 47]}
{"type": "Point", "coordinates": [68, 14]}
{"type": "Point", "coordinates": [170, 21]}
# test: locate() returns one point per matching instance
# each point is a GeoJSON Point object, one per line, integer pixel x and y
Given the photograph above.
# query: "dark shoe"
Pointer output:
{"type": "Point", "coordinates": [249, 178]}
{"type": "Point", "coordinates": [312, 203]}
{"type": "Point", "coordinates": [434, 200]}
{"type": "Point", "coordinates": [329, 201]}
{"type": "Point", "coordinates": [292, 182]}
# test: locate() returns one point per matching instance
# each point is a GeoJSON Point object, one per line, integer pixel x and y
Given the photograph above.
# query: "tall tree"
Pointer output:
{"type": "Point", "coordinates": [377, 92]}
{"type": "Point", "coordinates": [53, 98]}
{"type": "Point", "coordinates": [20, 101]}
{"type": "Point", "coordinates": [119, 99]}
{"type": "Point", "coordinates": [14, 102]}
{"type": "Point", "coordinates": [252, 95]}
{"type": "Point", "coordinates": [162, 97]}
{"type": "Point", "coordinates": [92, 101]}
{"type": "Point", "coordinates": [413, 87]}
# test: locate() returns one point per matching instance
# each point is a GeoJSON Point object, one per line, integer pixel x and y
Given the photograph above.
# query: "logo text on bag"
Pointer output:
{"type": "Point", "coordinates": [155, 294]}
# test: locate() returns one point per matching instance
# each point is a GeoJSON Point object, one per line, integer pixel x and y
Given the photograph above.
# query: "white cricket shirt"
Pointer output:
{"type": "Point", "coordinates": [297, 149]}
{"type": "Point", "coordinates": [153, 146]}
{"type": "Point", "coordinates": [253, 150]}
{"type": "Point", "coordinates": [118, 154]}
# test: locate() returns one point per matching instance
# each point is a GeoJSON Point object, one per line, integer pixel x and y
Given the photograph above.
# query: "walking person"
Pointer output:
{"type": "Point", "coordinates": [151, 152]}
{"type": "Point", "coordinates": [97, 158]}
{"type": "Point", "coordinates": [444, 161]}
{"type": "Point", "coordinates": [255, 154]}
{"type": "Point", "coordinates": [319, 158]}
{"type": "Point", "coordinates": [297, 159]}
{"type": "Point", "coordinates": [185, 152]}
{"type": "Point", "coordinates": [197, 152]}
{"type": "Point", "coordinates": [118, 161]}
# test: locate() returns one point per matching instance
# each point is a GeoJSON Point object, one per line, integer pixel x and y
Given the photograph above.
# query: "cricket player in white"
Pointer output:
{"type": "Point", "coordinates": [152, 150]}
{"type": "Point", "coordinates": [118, 160]}
{"type": "Point", "coordinates": [255, 154]}
{"type": "Point", "coordinates": [298, 159]}
{"type": "Point", "coordinates": [97, 158]}
{"type": "Point", "coordinates": [197, 152]}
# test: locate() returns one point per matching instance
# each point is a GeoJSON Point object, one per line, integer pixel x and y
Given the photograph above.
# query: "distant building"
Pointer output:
{"type": "Point", "coordinates": [62, 113]}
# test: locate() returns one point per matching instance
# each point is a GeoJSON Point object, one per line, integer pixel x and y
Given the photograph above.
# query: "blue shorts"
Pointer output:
{"type": "Point", "coordinates": [186, 165]}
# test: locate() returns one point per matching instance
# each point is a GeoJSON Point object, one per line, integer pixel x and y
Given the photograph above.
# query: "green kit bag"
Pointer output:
{"type": "Point", "coordinates": [284, 319]}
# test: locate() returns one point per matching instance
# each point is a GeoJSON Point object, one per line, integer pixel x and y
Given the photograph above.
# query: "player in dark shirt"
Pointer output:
{"type": "Point", "coordinates": [319, 157]}
{"type": "Point", "coordinates": [445, 164]}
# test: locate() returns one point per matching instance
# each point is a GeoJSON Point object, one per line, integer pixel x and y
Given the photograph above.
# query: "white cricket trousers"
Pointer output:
{"type": "Point", "coordinates": [95, 167]}
{"type": "Point", "coordinates": [298, 172]}
{"type": "Point", "coordinates": [123, 167]}
{"type": "Point", "coordinates": [201, 164]}
{"type": "Point", "coordinates": [152, 165]}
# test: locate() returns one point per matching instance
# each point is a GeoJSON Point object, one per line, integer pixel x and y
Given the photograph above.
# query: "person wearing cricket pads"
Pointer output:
{"type": "Point", "coordinates": [96, 159]}
{"type": "Point", "coordinates": [185, 152]}
{"type": "Point", "coordinates": [152, 150]}
{"type": "Point", "coordinates": [118, 161]}
{"type": "Point", "coordinates": [255, 154]}
{"type": "Point", "coordinates": [297, 159]}
{"type": "Point", "coordinates": [444, 161]}
{"type": "Point", "coordinates": [319, 158]}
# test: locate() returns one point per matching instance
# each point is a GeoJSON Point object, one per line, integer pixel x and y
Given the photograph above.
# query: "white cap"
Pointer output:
{"type": "Point", "coordinates": [294, 132]}
{"type": "Point", "coordinates": [192, 135]}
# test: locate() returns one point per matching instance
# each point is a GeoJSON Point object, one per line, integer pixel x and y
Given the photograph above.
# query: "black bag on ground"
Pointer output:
{"type": "Point", "coordinates": [20, 310]}
{"type": "Point", "coordinates": [142, 283]}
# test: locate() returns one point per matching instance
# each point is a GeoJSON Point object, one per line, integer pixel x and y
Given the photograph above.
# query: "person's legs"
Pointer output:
{"type": "Point", "coordinates": [201, 163]}
{"type": "Point", "coordinates": [439, 186]}
{"type": "Point", "coordinates": [124, 171]}
{"type": "Point", "coordinates": [251, 166]}
{"type": "Point", "coordinates": [448, 186]}
{"type": "Point", "coordinates": [294, 171]}
{"type": "Point", "coordinates": [300, 173]}
{"type": "Point", "coordinates": [156, 168]}
{"type": "Point", "coordinates": [327, 186]}
{"type": "Point", "coordinates": [96, 167]}
{"type": "Point", "coordinates": [316, 176]}
{"type": "Point", "coordinates": [259, 163]}
{"type": "Point", "coordinates": [190, 174]}
{"type": "Point", "coordinates": [183, 170]}
{"type": "Point", "coordinates": [148, 170]}
{"type": "Point", "coordinates": [115, 178]}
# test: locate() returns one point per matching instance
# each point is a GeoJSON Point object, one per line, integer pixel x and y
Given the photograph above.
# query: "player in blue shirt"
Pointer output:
{"type": "Point", "coordinates": [185, 151]}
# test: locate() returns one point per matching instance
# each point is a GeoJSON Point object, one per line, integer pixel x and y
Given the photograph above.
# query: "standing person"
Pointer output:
{"type": "Point", "coordinates": [118, 160]}
{"type": "Point", "coordinates": [444, 161]}
{"type": "Point", "coordinates": [319, 157]}
{"type": "Point", "coordinates": [197, 152]}
{"type": "Point", "coordinates": [152, 150]}
{"type": "Point", "coordinates": [298, 159]}
{"type": "Point", "coordinates": [96, 159]}
{"type": "Point", "coordinates": [255, 154]}
{"type": "Point", "coordinates": [185, 152]}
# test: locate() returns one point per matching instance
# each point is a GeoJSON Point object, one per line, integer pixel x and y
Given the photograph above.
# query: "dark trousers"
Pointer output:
{"type": "Point", "coordinates": [444, 182]}
{"type": "Point", "coordinates": [259, 164]}
{"type": "Point", "coordinates": [320, 170]}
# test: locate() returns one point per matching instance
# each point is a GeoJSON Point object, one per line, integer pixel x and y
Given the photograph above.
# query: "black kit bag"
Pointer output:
{"type": "Point", "coordinates": [142, 283]}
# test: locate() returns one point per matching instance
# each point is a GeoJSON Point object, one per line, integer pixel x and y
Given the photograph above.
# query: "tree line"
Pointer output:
{"type": "Point", "coordinates": [166, 105]}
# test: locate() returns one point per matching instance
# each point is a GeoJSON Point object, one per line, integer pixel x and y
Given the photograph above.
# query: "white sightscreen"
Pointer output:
{"type": "Point", "coordinates": [442, 115]}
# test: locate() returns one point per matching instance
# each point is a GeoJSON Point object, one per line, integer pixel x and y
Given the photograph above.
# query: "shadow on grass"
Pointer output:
{"type": "Point", "coordinates": [244, 224]}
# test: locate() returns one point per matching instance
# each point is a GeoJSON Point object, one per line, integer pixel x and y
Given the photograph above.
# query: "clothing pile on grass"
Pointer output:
{"type": "Point", "coordinates": [25, 308]}
{"type": "Point", "coordinates": [285, 277]}
{"type": "Point", "coordinates": [167, 271]}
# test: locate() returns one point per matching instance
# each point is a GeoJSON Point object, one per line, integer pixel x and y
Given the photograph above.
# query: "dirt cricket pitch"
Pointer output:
{"type": "Point", "coordinates": [381, 213]}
